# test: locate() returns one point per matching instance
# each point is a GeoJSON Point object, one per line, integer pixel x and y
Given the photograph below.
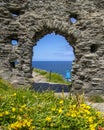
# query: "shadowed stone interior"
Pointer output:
{"type": "Point", "coordinates": [27, 21]}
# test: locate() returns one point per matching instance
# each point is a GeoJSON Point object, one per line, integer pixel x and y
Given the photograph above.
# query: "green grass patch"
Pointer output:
{"type": "Point", "coordinates": [41, 72]}
{"type": "Point", "coordinates": [96, 99]}
{"type": "Point", "coordinates": [4, 85]}
{"type": "Point", "coordinates": [52, 77]}
{"type": "Point", "coordinates": [28, 110]}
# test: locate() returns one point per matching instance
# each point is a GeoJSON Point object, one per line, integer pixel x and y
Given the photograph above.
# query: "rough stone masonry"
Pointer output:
{"type": "Point", "coordinates": [27, 21]}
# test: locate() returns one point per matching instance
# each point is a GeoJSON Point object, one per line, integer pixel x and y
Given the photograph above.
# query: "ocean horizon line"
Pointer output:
{"type": "Point", "coordinates": [51, 60]}
{"type": "Point", "coordinates": [55, 66]}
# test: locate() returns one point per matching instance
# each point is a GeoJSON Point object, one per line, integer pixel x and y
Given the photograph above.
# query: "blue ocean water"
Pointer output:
{"type": "Point", "coordinates": [59, 67]}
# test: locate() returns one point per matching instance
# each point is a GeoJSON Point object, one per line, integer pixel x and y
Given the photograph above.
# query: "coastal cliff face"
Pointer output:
{"type": "Point", "coordinates": [27, 21]}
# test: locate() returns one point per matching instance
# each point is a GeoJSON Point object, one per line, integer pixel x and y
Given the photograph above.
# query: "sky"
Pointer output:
{"type": "Point", "coordinates": [52, 47]}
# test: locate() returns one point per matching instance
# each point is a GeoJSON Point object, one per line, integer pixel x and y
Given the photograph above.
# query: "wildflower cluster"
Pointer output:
{"type": "Point", "coordinates": [84, 117]}
{"type": "Point", "coordinates": [28, 110]}
{"type": "Point", "coordinates": [13, 114]}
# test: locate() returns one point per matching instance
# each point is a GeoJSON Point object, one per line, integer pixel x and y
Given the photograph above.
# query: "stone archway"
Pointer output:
{"type": "Point", "coordinates": [57, 27]}
{"type": "Point", "coordinates": [34, 19]}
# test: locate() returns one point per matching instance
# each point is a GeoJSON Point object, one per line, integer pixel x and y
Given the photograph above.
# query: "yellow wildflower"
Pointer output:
{"type": "Point", "coordinates": [87, 112]}
{"type": "Point", "coordinates": [13, 116]}
{"type": "Point", "coordinates": [60, 110]}
{"type": "Point", "coordinates": [6, 113]}
{"type": "Point", "coordinates": [90, 119]}
{"type": "Point", "coordinates": [20, 109]}
{"type": "Point", "coordinates": [32, 128]}
{"type": "Point", "coordinates": [24, 123]}
{"type": "Point", "coordinates": [51, 124]}
{"type": "Point", "coordinates": [23, 106]}
{"type": "Point", "coordinates": [19, 117]}
{"type": "Point", "coordinates": [48, 119]}
{"type": "Point", "coordinates": [14, 94]}
{"type": "Point", "coordinates": [98, 113]}
{"type": "Point", "coordinates": [16, 125]}
{"type": "Point", "coordinates": [1, 114]}
{"type": "Point", "coordinates": [13, 109]}
{"type": "Point", "coordinates": [93, 126]}
{"type": "Point", "coordinates": [73, 115]}
{"type": "Point", "coordinates": [61, 101]}
{"type": "Point", "coordinates": [67, 114]}
{"type": "Point", "coordinates": [28, 124]}
{"type": "Point", "coordinates": [12, 126]}
{"type": "Point", "coordinates": [53, 109]}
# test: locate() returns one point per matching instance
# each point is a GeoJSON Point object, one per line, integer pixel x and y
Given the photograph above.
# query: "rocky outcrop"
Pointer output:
{"type": "Point", "coordinates": [28, 20]}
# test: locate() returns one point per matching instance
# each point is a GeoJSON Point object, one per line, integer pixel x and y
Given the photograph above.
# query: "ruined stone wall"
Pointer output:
{"type": "Point", "coordinates": [36, 18]}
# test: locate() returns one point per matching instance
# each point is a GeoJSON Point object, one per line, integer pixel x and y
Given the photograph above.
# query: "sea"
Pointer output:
{"type": "Point", "coordinates": [60, 67]}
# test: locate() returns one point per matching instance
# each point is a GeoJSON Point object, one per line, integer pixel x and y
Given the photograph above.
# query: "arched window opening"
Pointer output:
{"type": "Point", "coordinates": [53, 53]}
{"type": "Point", "coordinates": [93, 48]}
{"type": "Point", "coordinates": [14, 42]}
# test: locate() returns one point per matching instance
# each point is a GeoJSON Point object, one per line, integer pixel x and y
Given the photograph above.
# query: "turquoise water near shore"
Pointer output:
{"type": "Point", "coordinates": [59, 67]}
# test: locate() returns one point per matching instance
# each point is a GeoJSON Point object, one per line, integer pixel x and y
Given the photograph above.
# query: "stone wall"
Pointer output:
{"type": "Point", "coordinates": [29, 20]}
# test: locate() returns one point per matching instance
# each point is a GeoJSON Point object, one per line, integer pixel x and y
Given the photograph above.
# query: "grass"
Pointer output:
{"type": "Point", "coordinates": [96, 99]}
{"type": "Point", "coordinates": [28, 110]}
{"type": "Point", "coordinates": [52, 77]}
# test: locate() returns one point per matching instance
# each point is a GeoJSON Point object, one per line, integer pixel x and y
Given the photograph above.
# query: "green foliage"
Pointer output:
{"type": "Point", "coordinates": [55, 77]}
{"type": "Point", "coordinates": [4, 85]}
{"type": "Point", "coordinates": [41, 72]}
{"type": "Point", "coordinates": [96, 99]}
{"type": "Point", "coordinates": [28, 110]}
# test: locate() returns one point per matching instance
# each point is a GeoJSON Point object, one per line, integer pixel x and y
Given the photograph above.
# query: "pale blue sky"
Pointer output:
{"type": "Point", "coordinates": [53, 48]}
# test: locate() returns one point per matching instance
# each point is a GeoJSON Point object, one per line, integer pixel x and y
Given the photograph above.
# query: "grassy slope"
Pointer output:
{"type": "Point", "coordinates": [27, 110]}
{"type": "Point", "coordinates": [55, 77]}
